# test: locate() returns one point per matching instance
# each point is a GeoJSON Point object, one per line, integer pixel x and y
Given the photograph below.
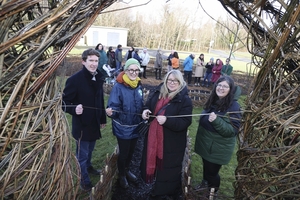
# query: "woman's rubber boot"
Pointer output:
{"type": "Point", "coordinates": [123, 182]}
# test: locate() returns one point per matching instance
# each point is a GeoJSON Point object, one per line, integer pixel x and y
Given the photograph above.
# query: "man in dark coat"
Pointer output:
{"type": "Point", "coordinates": [118, 57]}
{"type": "Point", "coordinates": [83, 98]}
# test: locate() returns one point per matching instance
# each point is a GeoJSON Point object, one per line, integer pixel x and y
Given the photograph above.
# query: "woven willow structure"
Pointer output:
{"type": "Point", "coordinates": [269, 147]}
{"type": "Point", "coordinates": [35, 155]}
{"type": "Point", "coordinates": [35, 36]}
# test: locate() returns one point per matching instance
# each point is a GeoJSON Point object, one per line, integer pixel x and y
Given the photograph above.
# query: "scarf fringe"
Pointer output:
{"type": "Point", "coordinates": [149, 178]}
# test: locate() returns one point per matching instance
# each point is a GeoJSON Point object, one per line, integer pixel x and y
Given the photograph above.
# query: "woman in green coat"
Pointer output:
{"type": "Point", "coordinates": [218, 126]}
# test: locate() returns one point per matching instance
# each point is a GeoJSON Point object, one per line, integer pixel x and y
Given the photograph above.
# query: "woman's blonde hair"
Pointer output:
{"type": "Point", "coordinates": [164, 91]}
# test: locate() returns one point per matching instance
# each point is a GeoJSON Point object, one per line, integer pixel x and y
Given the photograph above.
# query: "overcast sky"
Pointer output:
{"type": "Point", "coordinates": [192, 7]}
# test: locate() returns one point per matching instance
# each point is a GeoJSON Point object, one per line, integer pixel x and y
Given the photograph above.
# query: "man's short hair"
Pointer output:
{"type": "Point", "coordinates": [89, 52]}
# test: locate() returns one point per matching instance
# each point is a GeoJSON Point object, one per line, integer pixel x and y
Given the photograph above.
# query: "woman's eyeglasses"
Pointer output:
{"type": "Point", "coordinates": [223, 86]}
{"type": "Point", "coordinates": [172, 81]}
{"type": "Point", "coordinates": [136, 71]}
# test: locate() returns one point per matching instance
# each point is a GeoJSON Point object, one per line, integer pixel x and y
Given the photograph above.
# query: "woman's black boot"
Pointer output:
{"type": "Point", "coordinates": [123, 182]}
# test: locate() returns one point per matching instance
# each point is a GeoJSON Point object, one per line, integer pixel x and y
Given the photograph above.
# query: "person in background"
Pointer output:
{"type": "Point", "coordinates": [217, 131]}
{"type": "Point", "coordinates": [83, 98]}
{"type": "Point", "coordinates": [169, 59]}
{"type": "Point", "coordinates": [118, 56]}
{"type": "Point", "coordinates": [188, 68]}
{"type": "Point", "coordinates": [125, 101]}
{"type": "Point", "coordinates": [111, 57]}
{"type": "Point", "coordinates": [227, 68]}
{"type": "Point", "coordinates": [199, 69]}
{"type": "Point", "coordinates": [166, 140]}
{"type": "Point", "coordinates": [175, 61]}
{"type": "Point", "coordinates": [208, 73]}
{"type": "Point", "coordinates": [102, 59]}
{"type": "Point", "coordinates": [158, 65]}
{"type": "Point", "coordinates": [129, 54]}
{"type": "Point", "coordinates": [136, 56]}
{"type": "Point", "coordinates": [145, 60]}
{"type": "Point", "coordinates": [216, 70]}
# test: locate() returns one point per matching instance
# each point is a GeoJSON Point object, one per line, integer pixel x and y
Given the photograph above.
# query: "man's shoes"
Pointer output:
{"type": "Point", "coordinates": [123, 182]}
{"type": "Point", "coordinates": [87, 187]}
{"type": "Point", "coordinates": [131, 177]}
{"type": "Point", "coordinates": [92, 170]}
{"type": "Point", "coordinates": [145, 77]}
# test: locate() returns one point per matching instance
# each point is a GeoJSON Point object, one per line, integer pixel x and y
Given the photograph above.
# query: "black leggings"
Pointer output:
{"type": "Point", "coordinates": [159, 73]}
{"type": "Point", "coordinates": [211, 173]}
{"type": "Point", "coordinates": [197, 80]}
{"type": "Point", "coordinates": [126, 149]}
{"type": "Point", "coordinates": [144, 70]}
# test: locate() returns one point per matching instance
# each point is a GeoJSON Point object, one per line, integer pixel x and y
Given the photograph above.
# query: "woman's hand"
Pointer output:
{"type": "Point", "coordinates": [109, 111]}
{"type": "Point", "coordinates": [146, 113]}
{"type": "Point", "coordinates": [212, 116]}
{"type": "Point", "coordinates": [161, 119]}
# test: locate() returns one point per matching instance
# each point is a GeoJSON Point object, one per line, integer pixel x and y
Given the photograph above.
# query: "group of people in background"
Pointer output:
{"type": "Point", "coordinates": [168, 111]}
{"type": "Point", "coordinates": [112, 60]}
{"type": "Point", "coordinates": [209, 72]}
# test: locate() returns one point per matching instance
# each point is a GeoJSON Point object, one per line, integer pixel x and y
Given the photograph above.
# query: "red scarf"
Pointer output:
{"type": "Point", "coordinates": [155, 143]}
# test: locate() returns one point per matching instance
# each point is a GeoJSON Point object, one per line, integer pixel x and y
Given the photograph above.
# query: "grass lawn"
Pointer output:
{"type": "Point", "coordinates": [106, 145]}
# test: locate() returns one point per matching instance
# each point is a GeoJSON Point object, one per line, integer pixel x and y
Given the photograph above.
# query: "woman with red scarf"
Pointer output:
{"type": "Point", "coordinates": [169, 109]}
{"type": "Point", "coordinates": [216, 70]}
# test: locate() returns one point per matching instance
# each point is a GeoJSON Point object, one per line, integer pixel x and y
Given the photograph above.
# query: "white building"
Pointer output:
{"type": "Point", "coordinates": [108, 36]}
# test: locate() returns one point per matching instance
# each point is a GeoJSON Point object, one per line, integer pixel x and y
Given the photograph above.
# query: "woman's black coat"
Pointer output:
{"type": "Point", "coordinates": [168, 179]}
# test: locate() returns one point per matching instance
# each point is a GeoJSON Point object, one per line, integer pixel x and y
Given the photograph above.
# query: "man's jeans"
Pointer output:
{"type": "Point", "coordinates": [207, 78]}
{"type": "Point", "coordinates": [118, 66]}
{"type": "Point", "coordinates": [84, 150]}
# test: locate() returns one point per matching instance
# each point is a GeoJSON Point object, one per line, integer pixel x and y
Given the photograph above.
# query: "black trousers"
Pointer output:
{"type": "Point", "coordinates": [188, 76]}
{"type": "Point", "coordinates": [144, 70]}
{"type": "Point", "coordinates": [159, 73]}
{"type": "Point", "coordinates": [211, 174]}
{"type": "Point", "coordinates": [197, 80]}
{"type": "Point", "coordinates": [126, 149]}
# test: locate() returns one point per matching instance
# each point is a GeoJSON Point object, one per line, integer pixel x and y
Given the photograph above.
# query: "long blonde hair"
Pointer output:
{"type": "Point", "coordinates": [164, 91]}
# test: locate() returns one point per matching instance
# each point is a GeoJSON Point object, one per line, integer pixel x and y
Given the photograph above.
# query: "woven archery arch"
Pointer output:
{"type": "Point", "coordinates": [35, 154]}
{"type": "Point", "coordinates": [268, 155]}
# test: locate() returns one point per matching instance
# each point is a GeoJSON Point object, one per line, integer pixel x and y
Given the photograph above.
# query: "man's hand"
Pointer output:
{"type": "Point", "coordinates": [79, 109]}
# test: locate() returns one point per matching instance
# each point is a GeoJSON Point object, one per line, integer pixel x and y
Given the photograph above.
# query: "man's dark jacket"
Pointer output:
{"type": "Point", "coordinates": [81, 89]}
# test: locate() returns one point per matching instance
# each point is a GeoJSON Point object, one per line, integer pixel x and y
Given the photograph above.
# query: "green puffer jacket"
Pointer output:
{"type": "Point", "coordinates": [215, 141]}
